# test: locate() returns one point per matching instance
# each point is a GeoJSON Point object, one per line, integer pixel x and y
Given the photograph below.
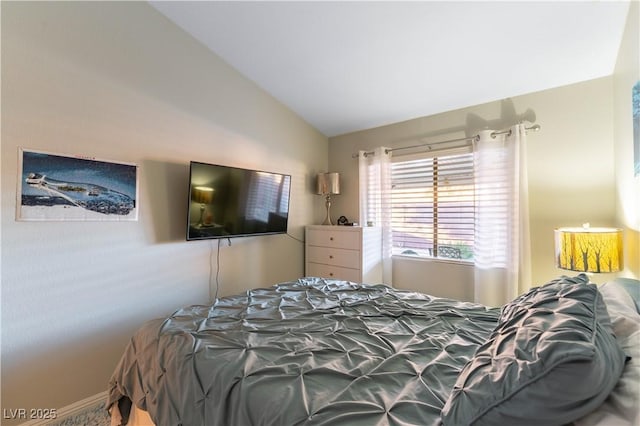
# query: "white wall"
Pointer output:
{"type": "Point", "coordinates": [627, 73]}
{"type": "Point", "coordinates": [116, 80]}
{"type": "Point", "coordinates": [570, 170]}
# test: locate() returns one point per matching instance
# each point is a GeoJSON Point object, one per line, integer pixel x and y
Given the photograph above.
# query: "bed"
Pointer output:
{"type": "Point", "coordinates": [328, 352]}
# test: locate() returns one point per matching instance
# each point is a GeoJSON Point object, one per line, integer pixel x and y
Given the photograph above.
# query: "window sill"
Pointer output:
{"type": "Point", "coordinates": [433, 259]}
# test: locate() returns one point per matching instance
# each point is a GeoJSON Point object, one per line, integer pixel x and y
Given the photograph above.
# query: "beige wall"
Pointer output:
{"type": "Point", "coordinates": [627, 73]}
{"type": "Point", "coordinates": [116, 80]}
{"type": "Point", "coordinates": [570, 170]}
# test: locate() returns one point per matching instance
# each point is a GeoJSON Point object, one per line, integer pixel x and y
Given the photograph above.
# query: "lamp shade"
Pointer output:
{"type": "Point", "coordinates": [589, 249]}
{"type": "Point", "coordinates": [328, 183]}
{"type": "Point", "coordinates": [202, 194]}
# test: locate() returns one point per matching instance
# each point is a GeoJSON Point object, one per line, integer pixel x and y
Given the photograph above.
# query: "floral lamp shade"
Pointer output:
{"type": "Point", "coordinates": [589, 249]}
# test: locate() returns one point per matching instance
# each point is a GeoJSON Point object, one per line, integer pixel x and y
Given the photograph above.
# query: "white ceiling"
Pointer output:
{"type": "Point", "coordinates": [347, 66]}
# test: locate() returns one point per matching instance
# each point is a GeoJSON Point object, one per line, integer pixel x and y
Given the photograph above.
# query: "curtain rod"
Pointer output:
{"type": "Point", "coordinates": [534, 128]}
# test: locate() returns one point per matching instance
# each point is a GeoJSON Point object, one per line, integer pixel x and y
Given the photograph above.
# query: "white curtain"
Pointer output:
{"type": "Point", "coordinates": [502, 246]}
{"type": "Point", "coordinates": [375, 200]}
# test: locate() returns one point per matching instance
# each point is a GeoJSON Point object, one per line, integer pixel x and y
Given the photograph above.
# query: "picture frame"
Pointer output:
{"type": "Point", "coordinates": [59, 187]}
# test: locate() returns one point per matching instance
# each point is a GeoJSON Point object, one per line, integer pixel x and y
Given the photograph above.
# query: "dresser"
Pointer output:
{"type": "Point", "coordinates": [350, 253]}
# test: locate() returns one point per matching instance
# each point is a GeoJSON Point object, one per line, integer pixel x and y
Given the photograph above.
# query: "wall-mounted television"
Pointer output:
{"type": "Point", "coordinates": [227, 202]}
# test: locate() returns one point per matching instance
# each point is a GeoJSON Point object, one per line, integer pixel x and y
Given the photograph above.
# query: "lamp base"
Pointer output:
{"type": "Point", "coordinates": [327, 219]}
{"type": "Point", "coordinates": [200, 223]}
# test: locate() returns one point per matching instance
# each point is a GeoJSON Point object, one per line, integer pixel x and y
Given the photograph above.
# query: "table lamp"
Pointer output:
{"type": "Point", "coordinates": [202, 195]}
{"type": "Point", "coordinates": [328, 185]}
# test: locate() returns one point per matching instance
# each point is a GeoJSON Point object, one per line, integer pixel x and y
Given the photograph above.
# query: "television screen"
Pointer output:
{"type": "Point", "coordinates": [227, 202]}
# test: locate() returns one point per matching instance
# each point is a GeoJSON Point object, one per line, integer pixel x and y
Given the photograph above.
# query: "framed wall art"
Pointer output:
{"type": "Point", "coordinates": [61, 187]}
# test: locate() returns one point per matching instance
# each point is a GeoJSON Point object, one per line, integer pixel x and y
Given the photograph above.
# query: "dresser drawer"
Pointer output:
{"type": "Point", "coordinates": [334, 256]}
{"type": "Point", "coordinates": [334, 272]}
{"type": "Point", "coordinates": [344, 253]}
{"type": "Point", "coordinates": [330, 238]}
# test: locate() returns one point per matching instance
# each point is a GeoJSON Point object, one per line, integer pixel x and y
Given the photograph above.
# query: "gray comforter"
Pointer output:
{"type": "Point", "coordinates": [316, 352]}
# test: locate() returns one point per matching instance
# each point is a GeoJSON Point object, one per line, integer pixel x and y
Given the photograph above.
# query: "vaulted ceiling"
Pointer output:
{"type": "Point", "coordinates": [347, 66]}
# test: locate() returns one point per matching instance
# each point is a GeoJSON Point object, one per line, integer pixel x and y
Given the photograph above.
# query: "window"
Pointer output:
{"type": "Point", "coordinates": [432, 205]}
{"type": "Point", "coordinates": [267, 196]}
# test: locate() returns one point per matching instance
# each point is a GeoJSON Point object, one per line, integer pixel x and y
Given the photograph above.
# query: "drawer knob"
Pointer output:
{"type": "Point", "coordinates": [330, 274]}
{"type": "Point", "coordinates": [330, 256]}
{"type": "Point", "coordinates": [330, 238]}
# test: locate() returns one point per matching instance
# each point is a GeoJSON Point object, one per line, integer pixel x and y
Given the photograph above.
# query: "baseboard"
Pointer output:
{"type": "Point", "coordinates": [70, 410]}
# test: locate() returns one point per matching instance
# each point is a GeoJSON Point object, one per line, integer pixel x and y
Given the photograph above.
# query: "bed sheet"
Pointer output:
{"type": "Point", "coordinates": [335, 352]}
{"type": "Point", "coordinates": [401, 373]}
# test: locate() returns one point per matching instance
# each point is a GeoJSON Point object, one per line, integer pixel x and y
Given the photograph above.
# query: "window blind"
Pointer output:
{"type": "Point", "coordinates": [432, 205]}
{"type": "Point", "coordinates": [266, 196]}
